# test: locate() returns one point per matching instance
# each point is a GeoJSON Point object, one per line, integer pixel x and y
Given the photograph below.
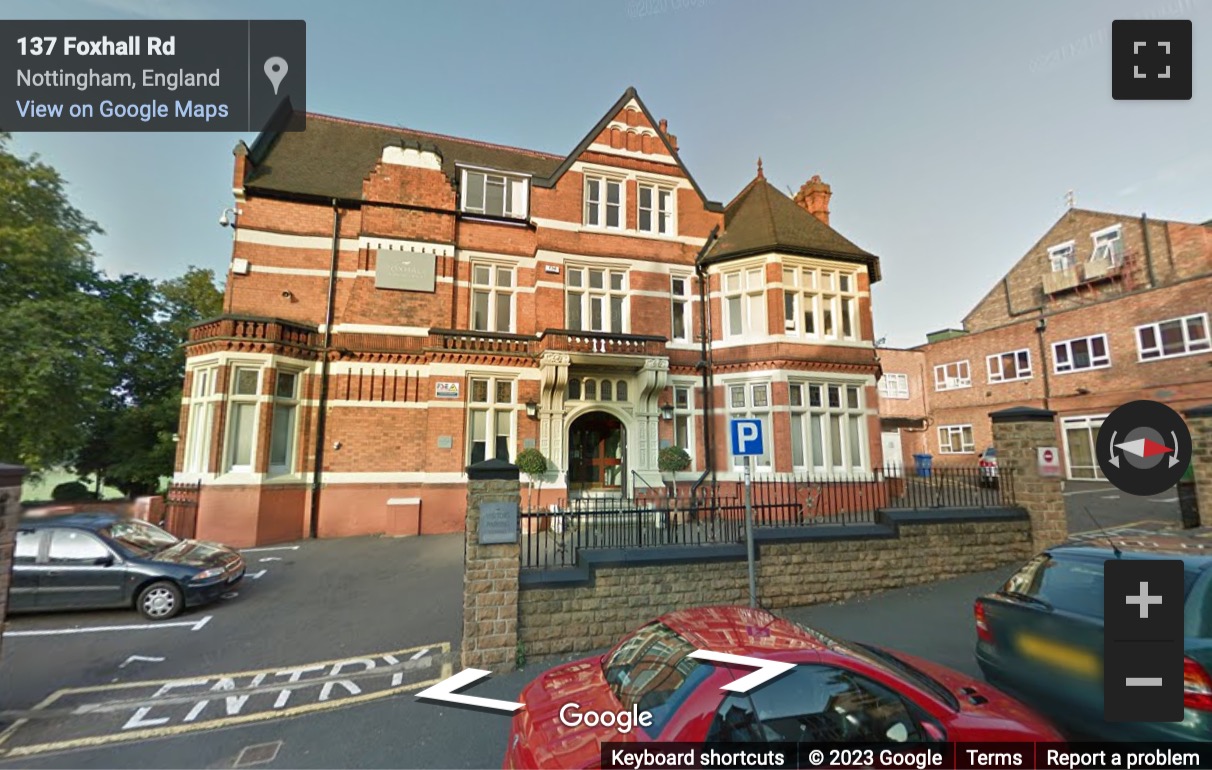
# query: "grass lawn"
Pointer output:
{"type": "Point", "coordinates": [40, 489]}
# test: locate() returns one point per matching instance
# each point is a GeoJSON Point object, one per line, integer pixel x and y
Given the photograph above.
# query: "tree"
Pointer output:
{"type": "Point", "coordinates": [53, 369]}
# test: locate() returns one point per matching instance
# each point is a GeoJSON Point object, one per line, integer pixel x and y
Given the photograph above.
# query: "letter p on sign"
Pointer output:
{"type": "Point", "coordinates": [746, 437]}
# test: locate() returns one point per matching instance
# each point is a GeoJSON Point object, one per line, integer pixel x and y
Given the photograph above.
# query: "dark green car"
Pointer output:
{"type": "Point", "coordinates": [1040, 637]}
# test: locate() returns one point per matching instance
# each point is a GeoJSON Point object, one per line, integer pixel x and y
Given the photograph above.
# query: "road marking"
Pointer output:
{"type": "Point", "coordinates": [1165, 500]}
{"type": "Point", "coordinates": [191, 624]}
{"type": "Point", "coordinates": [230, 595]}
{"type": "Point", "coordinates": [1110, 497]}
{"type": "Point", "coordinates": [256, 575]}
{"type": "Point", "coordinates": [1088, 491]}
{"type": "Point", "coordinates": [271, 558]}
{"type": "Point", "coordinates": [134, 658]}
{"type": "Point", "coordinates": [272, 548]}
{"type": "Point", "coordinates": [165, 707]}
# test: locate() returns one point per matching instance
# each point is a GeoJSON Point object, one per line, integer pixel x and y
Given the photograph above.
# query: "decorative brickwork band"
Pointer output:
{"type": "Point", "coordinates": [1199, 422]}
{"type": "Point", "coordinates": [1018, 434]}
{"type": "Point", "coordinates": [490, 568]}
{"type": "Point", "coordinates": [10, 512]}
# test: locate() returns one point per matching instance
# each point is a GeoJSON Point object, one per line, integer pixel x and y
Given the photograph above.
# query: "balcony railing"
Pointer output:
{"type": "Point", "coordinates": [464, 341]}
{"type": "Point", "coordinates": [1088, 271]}
{"type": "Point", "coordinates": [608, 343]}
{"type": "Point", "coordinates": [249, 328]}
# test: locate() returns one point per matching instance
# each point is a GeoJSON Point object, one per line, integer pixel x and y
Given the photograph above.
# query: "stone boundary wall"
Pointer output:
{"type": "Point", "coordinates": [613, 591]}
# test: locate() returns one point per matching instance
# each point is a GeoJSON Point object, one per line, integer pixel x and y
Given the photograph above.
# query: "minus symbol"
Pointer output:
{"type": "Point", "coordinates": [1143, 681]}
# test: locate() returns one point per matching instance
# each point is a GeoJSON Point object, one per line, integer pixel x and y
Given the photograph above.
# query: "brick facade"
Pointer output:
{"type": "Point", "coordinates": [1164, 272]}
{"type": "Point", "coordinates": [407, 362]}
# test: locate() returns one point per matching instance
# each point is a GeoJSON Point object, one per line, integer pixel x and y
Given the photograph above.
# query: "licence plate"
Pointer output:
{"type": "Point", "coordinates": [1057, 655]}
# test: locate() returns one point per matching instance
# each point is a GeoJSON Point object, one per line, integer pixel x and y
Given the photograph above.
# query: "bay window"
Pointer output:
{"type": "Point", "coordinates": [203, 399]}
{"type": "Point", "coordinates": [828, 427]}
{"type": "Point", "coordinates": [242, 418]}
{"type": "Point", "coordinates": [745, 302]}
{"type": "Point", "coordinates": [285, 425]}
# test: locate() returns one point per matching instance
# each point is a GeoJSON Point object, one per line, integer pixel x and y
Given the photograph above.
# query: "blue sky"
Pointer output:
{"type": "Point", "coordinates": [950, 131]}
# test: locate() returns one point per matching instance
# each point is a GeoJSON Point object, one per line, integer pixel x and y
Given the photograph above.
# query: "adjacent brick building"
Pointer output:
{"type": "Point", "coordinates": [401, 304]}
{"type": "Point", "coordinates": [1104, 309]}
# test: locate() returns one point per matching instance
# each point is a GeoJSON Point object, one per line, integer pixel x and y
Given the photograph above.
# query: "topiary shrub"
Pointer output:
{"type": "Point", "coordinates": [70, 492]}
{"type": "Point", "coordinates": [673, 459]}
{"type": "Point", "coordinates": [534, 465]}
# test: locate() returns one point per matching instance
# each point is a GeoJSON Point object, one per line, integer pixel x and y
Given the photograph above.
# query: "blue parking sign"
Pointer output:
{"type": "Point", "coordinates": [747, 439]}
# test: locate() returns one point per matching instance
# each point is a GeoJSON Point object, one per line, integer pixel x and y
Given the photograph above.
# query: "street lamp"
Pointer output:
{"type": "Point", "coordinates": [532, 410]}
{"type": "Point", "coordinates": [667, 412]}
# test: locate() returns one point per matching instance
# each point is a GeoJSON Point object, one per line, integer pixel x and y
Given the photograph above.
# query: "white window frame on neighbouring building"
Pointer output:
{"type": "Point", "coordinates": [683, 418]}
{"type": "Point", "coordinates": [1009, 366]}
{"type": "Point", "coordinates": [492, 297]}
{"type": "Point", "coordinates": [828, 427]}
{"type": "Point", "coordinates": [284, 424]}
{"type": "Point", "coordinates": [947, 435]}
{"type": "Point", "coordinates": [244, 396]}
{"type": "Point", "coordinates": [953, 376]}
{"type": "Point", "coordinates": [608, 299]}
{"type": "Point", "coordinates": [894, 385]}
{"type": "Point", "coordinates": [491, 418]}
{"type": "Point", "coordinates": [1081, 354]}
{"type": "Point", "coordinates": [753, 400]}
{"type": "Point", "coordinates": [655, 205]}
{"type": "Point", "coordinates": [1108, 245]}
{"type": "Point", "coordinates": [744, 293]}
{"type": "Point", "coordinates": [493, 194]}
{"type": "Point", "coordinates": [1063, 256]}
{"type": "Point", "coordinates": [680, 293]}
{"type": "Point", "coordinates": [204, 399]}
{"type": "Point", "coordinates": [1188, 336]}
{"type": "Point", "coordinates": [600, 210]}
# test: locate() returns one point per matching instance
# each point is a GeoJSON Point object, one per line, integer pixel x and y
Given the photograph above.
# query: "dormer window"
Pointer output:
{"type": "Point", "coordinates": [495, 195]}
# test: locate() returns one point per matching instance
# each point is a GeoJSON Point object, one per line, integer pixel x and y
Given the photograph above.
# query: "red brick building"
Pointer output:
{"type": "Point", "coordinates": [1104, 309]}
{"type": "Point", "coordinates": [402, 304]}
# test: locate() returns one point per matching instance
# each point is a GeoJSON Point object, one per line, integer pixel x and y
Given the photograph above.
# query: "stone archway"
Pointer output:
{"type": "Point", "coordinates": [597, 454]}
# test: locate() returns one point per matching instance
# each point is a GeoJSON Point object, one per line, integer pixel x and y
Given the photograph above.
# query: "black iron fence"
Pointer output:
{"type": "Point", "coordinates": [715, 513]}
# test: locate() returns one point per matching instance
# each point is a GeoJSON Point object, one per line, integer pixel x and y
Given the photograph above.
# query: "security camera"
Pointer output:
{"type": "Point", "coordinates": [223, 221]}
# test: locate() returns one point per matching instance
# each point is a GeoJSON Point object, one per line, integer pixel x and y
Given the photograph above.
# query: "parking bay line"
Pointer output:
{"type": "Point", "coordinates": [218, 692]}
{"type": "Point", "coordinates": [270, 548]}
{"type": "Point", "coordinates": [193, 625]}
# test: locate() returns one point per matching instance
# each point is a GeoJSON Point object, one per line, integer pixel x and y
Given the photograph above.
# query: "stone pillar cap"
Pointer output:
{"type": "Point", "coordinates": [493, 470]}
{"type": "Point", "coordinates": [1195, 411]}
{"type": "Point", "coordinates": [1023, 414]}
{"type": "Point", "coordinates": [11, 475]}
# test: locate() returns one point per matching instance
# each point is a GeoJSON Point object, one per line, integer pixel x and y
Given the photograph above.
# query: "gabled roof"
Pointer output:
{"type": "Point", "coordinates": [334, 155]}
{"type": "Point", "coordinates": [628, 96]}
{"type": "Point", "coordinates": [760, 220]}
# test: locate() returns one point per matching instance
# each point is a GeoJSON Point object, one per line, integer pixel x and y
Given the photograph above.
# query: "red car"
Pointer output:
{"type": "Point", "coordinates": [838, 691]}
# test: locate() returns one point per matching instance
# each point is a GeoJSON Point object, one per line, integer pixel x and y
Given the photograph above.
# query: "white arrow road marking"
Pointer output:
{"type": "Point", "coordinates": [766, 669]}
{"type": "Point", "coordinates": [193, 626]}
{"type": "Point", "coordinates": [271, 558]}
{"type": "Point", "coordinates": [256, 575]}
{"type": "Point", "coordinates": [272, 548]}
{"type": "Point", "coordinates": [134, 658]}
{"type": "Point", "coordinates": [445, 691]}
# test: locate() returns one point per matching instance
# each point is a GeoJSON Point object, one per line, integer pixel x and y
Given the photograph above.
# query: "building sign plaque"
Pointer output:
{"type": "Point", "coordinates": [498, 523]}
{"type": "Point", "coordinates": [404, 270]}
{"type": "Point", "coordinates": [447, 390]}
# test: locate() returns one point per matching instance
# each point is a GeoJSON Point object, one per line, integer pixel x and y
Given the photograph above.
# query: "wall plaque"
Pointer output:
{"type": "Point", "coordinates": [447, 390]}
{"type": "Point", "coordinates": [404, 270]}
{"type": "Point", "coordinates": [498, 523]}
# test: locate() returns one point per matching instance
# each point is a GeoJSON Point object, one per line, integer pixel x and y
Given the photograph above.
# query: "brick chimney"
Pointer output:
{"type": "Point", "coordinates": [814, 196]}
{"type": "Point", "coordinates": [664, 129]}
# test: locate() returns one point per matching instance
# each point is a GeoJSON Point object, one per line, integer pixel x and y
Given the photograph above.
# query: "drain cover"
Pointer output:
{"type": "Point", "coordinates": [258, 754]}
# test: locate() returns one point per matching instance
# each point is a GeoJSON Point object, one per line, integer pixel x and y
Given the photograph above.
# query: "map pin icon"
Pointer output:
{"type": "Point", "coordinates": [275, 70]}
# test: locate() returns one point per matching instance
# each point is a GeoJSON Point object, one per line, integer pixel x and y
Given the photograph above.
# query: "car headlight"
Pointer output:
{"type": "Point", "coordinates": [207, 574]}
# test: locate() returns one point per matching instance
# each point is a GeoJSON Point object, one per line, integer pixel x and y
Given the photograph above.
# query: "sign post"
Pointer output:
{"type": "Point", "coordinates": [748, 442]}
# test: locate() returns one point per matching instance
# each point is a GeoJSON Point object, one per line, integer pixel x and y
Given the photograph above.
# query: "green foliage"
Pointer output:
{"type": "Point", "coordinates": [519, 657]}
{"type": "Point", "coordinates": [71, 492]}
{"type": "Point", "coordinates": [673, 459]}
{"type": "Point", "coordinates": [532, 463]}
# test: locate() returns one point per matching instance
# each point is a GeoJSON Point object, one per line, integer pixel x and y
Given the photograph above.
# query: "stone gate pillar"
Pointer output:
{"type": "Point", "coordinates": [1199, 422]}
{"type": "Point", "coordinates": [10, 512]}
{"type": "Point", "coordinates": [1018, 433]}
{"type": "Point", "coordinates": [491, 563]}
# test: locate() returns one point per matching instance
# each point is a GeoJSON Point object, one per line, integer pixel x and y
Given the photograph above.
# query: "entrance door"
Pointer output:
{"type": "Point", "coordinates": [893, 459]}
{"type": "Point", "coordinates": [597, 453]}
{"type": "Point", "coordinates": [1080, 434]}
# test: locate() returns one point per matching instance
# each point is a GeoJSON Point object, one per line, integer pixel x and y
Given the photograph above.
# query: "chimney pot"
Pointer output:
{"type": "Point", "coordinates": [664, 126]}
{"type": "Point", "coordinates": [814, 197]}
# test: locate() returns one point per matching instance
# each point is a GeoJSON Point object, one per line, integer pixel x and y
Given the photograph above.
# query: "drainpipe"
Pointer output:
{"type": "Point", "coordinates": [322, 417]}
{"type": "Point", "coordinates": [1041, 326]}
{"type": "Point", "coordinates": [705, 363]}
{"type": "Point", "coordinates": [1144, 232]}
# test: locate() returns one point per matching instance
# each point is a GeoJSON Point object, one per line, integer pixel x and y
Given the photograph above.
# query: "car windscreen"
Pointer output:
{"type": "Point", "coordinates": [653, 672]}
{"type": "Point", "coordinates": [139, 537]}
{"type": "Point", "coordinates": [910, 672]}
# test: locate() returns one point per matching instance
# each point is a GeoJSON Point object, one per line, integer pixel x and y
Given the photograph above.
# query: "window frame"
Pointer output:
{"type": "Point", "coordinates": [203, 403]}
{"type": "Point", "coordinates": [655, 211]}
{"type": "Point", "coordinates": [1115, 256]}
{"type": "Point", "coordinates": [606, 293]}
{"type": "Point", "coordinates": [234, 401]}
{"type": "Point", "coordinates": [510, 193]}
{"type": "Point", "coordinates": [821, 289]}
{"type": "Point", "coordinates": [1066, 251]}
{"type": "Point", "coordinates": [292, 402]}
{"type": "Point", "coordinates": [1159, 345]}
{"type": "Point", "coordinates": [494, 292]}
{"type": "Point", "coordinates": [998, 377]}
{"type": "Point", "coordinates": [968, 447]}
{"type": "Point", "coordinates": [681, 304]}
{"type": "Point", "coordinates": [684, 413]}
{"type": "Point", "coordinates": [491, 409]}
{"type": "Point", "coordinates": [900, 393]}
{"type": "Point", "coordinates": [749, 411]}
{"type": "Point", "coordinates": [1067, 346]}
{"type": "Point", "coordinates": [852, 427]}
{"type": "Point", "coordinates": [940, 383]}
{"type": "Point", "coordinates": [749, 298]}
{"type": "Point", "coordinates": [601, 206]}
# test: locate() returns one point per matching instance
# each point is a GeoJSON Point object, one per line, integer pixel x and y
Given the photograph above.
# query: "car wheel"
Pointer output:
{"type": "Point", "coordinates": [160, 601]}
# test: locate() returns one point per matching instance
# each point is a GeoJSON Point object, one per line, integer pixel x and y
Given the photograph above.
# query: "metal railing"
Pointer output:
{"type": "Point", "coordinates": [715, 513]}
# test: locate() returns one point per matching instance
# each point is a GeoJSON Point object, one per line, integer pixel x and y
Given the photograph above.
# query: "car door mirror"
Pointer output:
{"type": "Point", "coordinates": [104, 561]}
